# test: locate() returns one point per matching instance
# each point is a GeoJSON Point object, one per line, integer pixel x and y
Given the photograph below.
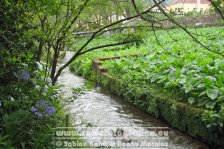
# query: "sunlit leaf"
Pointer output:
{"type": "Point", "coordinates": [210, 105]}
{"type": "Point", "coordinates": [212, 93]}
{"type": "Point", "coordinates": [190, 100]}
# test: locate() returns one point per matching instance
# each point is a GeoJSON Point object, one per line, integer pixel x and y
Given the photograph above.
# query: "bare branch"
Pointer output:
{"type": "Point", "coordinates": [90, 39]}
{"type": "Point", "coordinates": [111, 29]}
{"type": "Point", "coordinates": [141, 15]}
{"type": "Point", "coordinates": [217, 8]}
{"type": "Point", "coordinates": [160, 43]}
{"type": "Point", "coordinates": [194, 38]}
{"type": "Point", "coordinates": [153, 29]}
{"type": "Point", "coordinates": [107, 45]}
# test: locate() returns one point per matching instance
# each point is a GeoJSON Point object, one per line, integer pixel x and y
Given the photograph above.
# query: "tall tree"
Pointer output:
{"type": "Point", "coordinates": [56, 21]}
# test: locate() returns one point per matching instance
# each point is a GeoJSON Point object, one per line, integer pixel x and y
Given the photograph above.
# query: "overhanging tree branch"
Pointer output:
{"type": "Point", "coordinates": [91, 38]}
{"type": "Point", "coordinates": [111, 29]}
{"type": "Point", "coordinates": [152, 26]}
{"type": "Point", "coordinates": [217, 8]}
{"type": "Point", "coordinates": [141, 15]}
{"type": "Point", "coordinates": [184, 29]}
{"type": "Point", "coordinates": [172, 20]}
{"type": "Point", "coordinates": [61, 35]}
{"type": "Point", "coordinates": [107, 45]}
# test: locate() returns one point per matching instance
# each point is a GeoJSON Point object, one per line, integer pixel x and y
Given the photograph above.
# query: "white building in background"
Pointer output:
{"type": "Point", "coordinates": [183, 6]}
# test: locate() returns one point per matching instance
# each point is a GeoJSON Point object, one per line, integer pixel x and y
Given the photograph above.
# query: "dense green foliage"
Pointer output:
{"type": "Point", "coordinates": [33, 35]}
{"type": "Point", "coordinates": [23, 124]}
{"type": "Point", "coordinates": [183, 68]}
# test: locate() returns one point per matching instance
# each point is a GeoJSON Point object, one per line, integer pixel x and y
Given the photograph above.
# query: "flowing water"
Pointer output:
{"type": "Point", "coordinates": [97, 112]}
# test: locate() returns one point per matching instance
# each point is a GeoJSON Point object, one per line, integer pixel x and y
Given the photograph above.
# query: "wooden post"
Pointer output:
{"type": "Point", "coordinates": [67, 120]}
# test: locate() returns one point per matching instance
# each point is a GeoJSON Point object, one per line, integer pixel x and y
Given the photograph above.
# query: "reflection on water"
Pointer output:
{"type": "Point", "coordinates": [98, 110]}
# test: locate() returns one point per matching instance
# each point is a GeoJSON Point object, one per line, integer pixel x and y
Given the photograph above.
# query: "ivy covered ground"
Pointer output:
{"type": "Point", "coordinates": [173, 62]}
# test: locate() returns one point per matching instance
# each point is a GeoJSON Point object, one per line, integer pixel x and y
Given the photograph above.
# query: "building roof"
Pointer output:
{"type": "Point", "coordinates": [190, 1]}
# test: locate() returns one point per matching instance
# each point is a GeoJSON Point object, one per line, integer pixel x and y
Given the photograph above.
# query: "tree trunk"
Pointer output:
{"type": "Point", "coordinates": [41, 43]}
{"type": "Point", "coordinates": [54, 61]}
{"type": "Point", "coordinates": [39, 51]}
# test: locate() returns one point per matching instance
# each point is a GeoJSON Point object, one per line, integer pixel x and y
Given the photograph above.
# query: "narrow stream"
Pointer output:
{"type": "Point", "coordinates": [123, 123]}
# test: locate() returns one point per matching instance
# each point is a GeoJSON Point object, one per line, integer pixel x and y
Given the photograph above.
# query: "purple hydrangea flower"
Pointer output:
{"type": "Point", "coordinates": [42, 109]}
{"type": "Point", "coordinates": [22, 74]}
{"type": "Point", "coordinates": [33, 109]}
{"type": "Point", "coordinates": [50, 110]}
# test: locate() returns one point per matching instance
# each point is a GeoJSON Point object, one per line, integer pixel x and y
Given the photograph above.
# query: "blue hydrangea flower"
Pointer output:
{"type": "Point", "coordinates": [22, 74]}
{"type": "Point", "coordinates": [42, 109]}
